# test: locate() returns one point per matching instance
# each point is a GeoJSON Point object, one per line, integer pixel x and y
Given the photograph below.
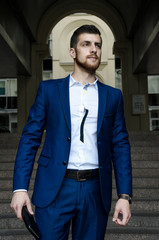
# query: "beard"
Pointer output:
{"type": "Point", "coordinates": [89, 67]}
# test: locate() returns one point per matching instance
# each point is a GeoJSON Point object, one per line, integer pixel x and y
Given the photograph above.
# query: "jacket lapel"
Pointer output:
{"type": "Point", "coordinates": [102, 96]}
{"type": "Point", "coordinates": [63, 88]}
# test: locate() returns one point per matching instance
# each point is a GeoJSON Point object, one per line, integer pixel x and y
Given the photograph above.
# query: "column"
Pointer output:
{"type": "Point", "coordinates": [132, 84]}
{"type": "Point", "coordinates": [27, 85]}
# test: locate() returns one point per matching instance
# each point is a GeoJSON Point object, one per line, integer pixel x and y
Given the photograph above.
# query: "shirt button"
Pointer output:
{"type": "Point", "coordinates": [64, 163]}
{"type": "Point", "coordinates": [68, 139]}
{"type": "Point", "coordinates": [84, 91]}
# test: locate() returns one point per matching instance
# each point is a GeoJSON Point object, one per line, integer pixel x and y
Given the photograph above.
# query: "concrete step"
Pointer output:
{"type": "Point", "coordinates": [136, 139]}
{"type": "Point", "coordinates": [150, 173]}
{"type": "Point", "coordinates": [144, 224]}
{"type": "Point", "coordinates": [136, 228]}
{"type": "Point", "coordinates": [145, 164]}
{"type": "Point", "coordinates": [138, 194]}
{"type": "Point", "coordinates": [146, 206]}
{"type": "Point", "coordinates": [10, 156]}
{"type": "Point", "coordinates": [152, 158]}
{"type": "Point", "coordinates": [130, 236]}
{"type": "Point", "coordinates": [137, 220]}
{"type": "Point", "coordinates": [142, 205]}
{"type": "Point", "coordinates": [6, 174]}
{"type": "Point", "coordinates": [148, 136]}
{"type": "Point", "coordinates": [111, 234]}
{"type": "Point", "coordinates": [145, 156]}
{"type": "Point", "coordinates": [7, 158]}
{"type": "Point", "coordinates": [6, 183]}
{"type": "Point", "coordinates": [9, 174]}
{"type": "Point", "coordinates": [8, 152]}
{"type": "Point", "coordinates": [6, 195]}
{"type": "Point", "coordinates": [10, 166]}
{"type": "Point", "coordinates": [135, 164]}
{"type": "Point", "coordinates": [10, 141]}
{"type": "Point", "coordinates": [143, 173]}
{"type": "Point", "coordinates": [144, 142]}
{"type": "Point", "coordinates": [145, 150]}
{"type": "Point", "coordinates": [15, 234]}
{"type": "Point", "coordinates": [145, 182]}
{"type": "Point", "coordinates": [11, 222]}
{"type": "Point", "coordinates": [131, 230]}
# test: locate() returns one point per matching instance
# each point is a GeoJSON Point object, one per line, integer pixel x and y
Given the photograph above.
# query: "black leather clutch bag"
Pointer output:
{"type": "Point", "coordinates": [30, 223]}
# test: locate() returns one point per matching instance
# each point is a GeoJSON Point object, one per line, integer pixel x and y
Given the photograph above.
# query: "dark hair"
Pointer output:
{"type": "Point", "coordinates": [83, 29]}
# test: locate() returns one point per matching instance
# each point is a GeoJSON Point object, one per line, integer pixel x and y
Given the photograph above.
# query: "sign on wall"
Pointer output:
{"type": "Point", "coordinates": [138, 104]}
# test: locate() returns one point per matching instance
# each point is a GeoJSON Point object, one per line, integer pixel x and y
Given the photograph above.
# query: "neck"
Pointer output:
{"type": "Point", "coordinates": [84, 77]}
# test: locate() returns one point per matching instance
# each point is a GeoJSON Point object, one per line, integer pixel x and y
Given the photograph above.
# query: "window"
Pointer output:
{"type": "Point", "coordinates": [2, 88]}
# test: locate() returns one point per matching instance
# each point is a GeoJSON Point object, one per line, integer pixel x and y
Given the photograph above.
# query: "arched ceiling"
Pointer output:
{"type": "Point", "coordinates": [32, 12]}
{"type": "Point", "coordinates": [24, 22]}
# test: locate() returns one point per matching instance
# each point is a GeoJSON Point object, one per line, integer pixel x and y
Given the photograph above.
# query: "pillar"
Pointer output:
{"type": "Point", "coordinates": [132, 84]}
{"type": "Point", "coordinates": [27, 85]}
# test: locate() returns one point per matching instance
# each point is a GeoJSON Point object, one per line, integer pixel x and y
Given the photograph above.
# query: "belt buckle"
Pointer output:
{"type": "Point", "coordinates": [80, 179]}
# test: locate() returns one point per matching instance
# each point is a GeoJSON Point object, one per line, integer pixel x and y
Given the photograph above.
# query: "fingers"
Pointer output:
{"type": "Point", "coordinates": [123, 208]}
{"type": "Point", "coordinates": [121, 222]}
{"type": "Point", "coordinates": [19, 200]}
{"type": "Point", "coordinates": [29, 207]}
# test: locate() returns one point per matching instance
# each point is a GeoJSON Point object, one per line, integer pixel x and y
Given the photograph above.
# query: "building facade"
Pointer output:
{"type": "Point", "coordinates": [8, 105]}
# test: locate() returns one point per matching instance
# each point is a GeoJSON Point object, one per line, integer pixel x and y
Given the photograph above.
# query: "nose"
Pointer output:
{"type": "Point", "coordinates": [93, 48]}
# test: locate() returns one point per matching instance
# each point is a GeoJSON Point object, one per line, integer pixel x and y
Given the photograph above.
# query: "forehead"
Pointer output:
{"type": "Point", "coordinates": [91, 37]}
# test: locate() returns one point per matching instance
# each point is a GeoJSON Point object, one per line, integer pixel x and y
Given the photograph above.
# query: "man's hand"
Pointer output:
{"type": "Point", "coordinates": [122, 207]}
{"type": "Point", "coordinates": [19, 200]}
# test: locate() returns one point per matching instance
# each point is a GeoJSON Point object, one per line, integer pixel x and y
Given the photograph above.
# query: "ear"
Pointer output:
{"type": "Point", "coordinates": [73, 53]}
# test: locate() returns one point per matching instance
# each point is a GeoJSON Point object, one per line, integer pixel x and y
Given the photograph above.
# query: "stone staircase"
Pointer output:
{"type": "Point", "coordinates": [144, 224]}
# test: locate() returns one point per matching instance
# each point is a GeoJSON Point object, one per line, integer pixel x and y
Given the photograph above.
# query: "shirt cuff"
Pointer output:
{"type": "Point", "coordinates": [20, 190]}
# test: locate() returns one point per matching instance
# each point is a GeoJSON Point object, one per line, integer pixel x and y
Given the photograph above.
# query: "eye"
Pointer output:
{"type": "Point", "coordinates": [85, 44]}
{"type": "Point", "coordinates": [98, 46]}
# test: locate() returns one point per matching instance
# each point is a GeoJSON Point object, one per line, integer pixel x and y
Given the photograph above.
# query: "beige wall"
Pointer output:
{"type": "Point", "coordinates": [61, 34]}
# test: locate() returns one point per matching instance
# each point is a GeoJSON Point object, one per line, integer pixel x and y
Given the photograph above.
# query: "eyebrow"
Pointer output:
{"type": "Point", "coordinates": [96, 43]}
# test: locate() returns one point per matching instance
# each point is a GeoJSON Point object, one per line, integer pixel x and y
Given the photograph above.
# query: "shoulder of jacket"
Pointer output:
{"type": "Point", "coordinates": [110, 88]}
{"type": "Point", "coordinates": [51, 82]}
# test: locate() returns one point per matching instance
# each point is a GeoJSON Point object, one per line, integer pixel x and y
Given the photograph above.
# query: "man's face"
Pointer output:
{"type": "Point", "coordinates": [87, 54]}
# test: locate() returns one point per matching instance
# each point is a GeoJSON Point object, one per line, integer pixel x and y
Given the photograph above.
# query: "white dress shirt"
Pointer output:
{"type": "Point", "coordinates": [83, 155]}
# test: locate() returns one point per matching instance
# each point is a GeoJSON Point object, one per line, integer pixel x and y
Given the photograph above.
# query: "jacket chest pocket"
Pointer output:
{"type": "Point", "coordinates": [108, 121]}
{"type": "Point", "coordinates": [109, 115]}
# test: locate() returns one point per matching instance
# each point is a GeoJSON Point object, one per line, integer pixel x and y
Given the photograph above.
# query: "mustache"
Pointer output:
{"type": "Point", "coordinates": [93, 55]}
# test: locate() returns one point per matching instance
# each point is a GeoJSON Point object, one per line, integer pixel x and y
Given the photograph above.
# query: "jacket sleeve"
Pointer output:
{"type": "Point", "coordinates": [121, 152]}
{"type": "Point", "coordinates": [30, 141]}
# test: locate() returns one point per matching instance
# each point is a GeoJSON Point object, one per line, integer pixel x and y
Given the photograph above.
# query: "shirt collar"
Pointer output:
{"type": "Point", "coordinates": [73, 82]}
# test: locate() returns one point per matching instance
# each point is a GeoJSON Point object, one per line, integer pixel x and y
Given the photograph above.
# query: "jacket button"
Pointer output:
{"type": "Point", "coordinates": [68, 139]}
{"type": "Point", "coordinates": [64, 163]}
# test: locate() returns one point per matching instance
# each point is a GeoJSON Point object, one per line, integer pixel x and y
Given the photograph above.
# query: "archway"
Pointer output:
{"type": "Point", "coordinates": [122, 47]}
{"type": "Point", "coordinates": [59, 40]}
{"type": "Point", "coordinates": [58, 11]}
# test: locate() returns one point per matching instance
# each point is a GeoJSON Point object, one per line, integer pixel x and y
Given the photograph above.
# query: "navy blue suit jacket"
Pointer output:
{"type": "Point", "coordinates": [51, 110]}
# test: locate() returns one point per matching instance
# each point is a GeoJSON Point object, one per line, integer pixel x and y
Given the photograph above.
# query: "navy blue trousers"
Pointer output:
{"type": "Point", "coordinates": [78, 204]}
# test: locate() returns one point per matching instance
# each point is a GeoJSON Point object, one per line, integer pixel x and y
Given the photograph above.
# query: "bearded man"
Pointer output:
{"type": "Point", "coordinates": [85, 136]}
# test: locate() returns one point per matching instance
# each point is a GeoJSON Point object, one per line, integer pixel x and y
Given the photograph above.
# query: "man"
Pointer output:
{"type": "Point", "coordinates": [85, 136]}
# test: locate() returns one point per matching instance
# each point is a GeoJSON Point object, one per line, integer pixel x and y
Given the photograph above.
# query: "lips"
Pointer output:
{"type": "Point", "coordinates": [93, 57]}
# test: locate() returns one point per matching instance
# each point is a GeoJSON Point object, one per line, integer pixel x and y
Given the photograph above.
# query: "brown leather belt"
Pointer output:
{"type": "Point", "coordinates": [82, 175]}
